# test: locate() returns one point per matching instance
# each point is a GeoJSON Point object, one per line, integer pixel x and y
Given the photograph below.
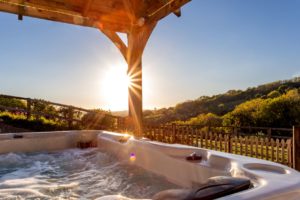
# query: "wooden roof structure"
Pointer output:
{"type": "Point", "coordinates": [136, 18]}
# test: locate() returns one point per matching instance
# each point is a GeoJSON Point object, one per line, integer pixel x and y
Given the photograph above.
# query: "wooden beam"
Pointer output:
{"type": "Point", "coordinates": [135, 7]}
{"type": "Point", "coordinates": [63, 16]}
{"type": "Point", "coordinates": [113, 36]}
{"type": "Point", "coordinates": [135, 10]}
{"type": "Point", "coordinates": [114, 15]}
{"type": "Point", "coordinates": [21, 11]}
{"type": "Point", "coordinates": [177, 12]}
{"type": "Point", "coordinates": [87, 7]}
{"type": "Point", "coordinates": [130, 10]}
{"type": "Point", "coordinates": [161, 12]}
{"type": "Point", "coordinates": [137, 40]}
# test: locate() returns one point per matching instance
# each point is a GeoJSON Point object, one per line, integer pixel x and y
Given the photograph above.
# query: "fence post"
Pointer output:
{"type": "Point", "coordinates": [269, 132]}
{"type": "Point", "coordinates": [296, 147]}
{"type": "Point", "coordinates": [28, 108]}
{"type": "Point", "coordinates": [235, 131]}
{"type": "Point", "coordinates": [174, 132]}
{"type": "Point", "coordinates": [70, 117]}
{"type": "Point", "coordinates": [229, 143]}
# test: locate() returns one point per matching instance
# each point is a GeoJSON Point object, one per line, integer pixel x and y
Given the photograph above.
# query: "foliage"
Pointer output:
{"type": "Point", "coordinates": [281, 111]}
{"type": "Point", "coordinates": [98, 119]}
{"type": "Point", "coordinates": [273, 94]}
{"type": "Point", "coordinates": [41, 106]}
{"type": "Point", "coordinates": [208, 119]}
{"type": "Point", "coordinates": [41, 124]}
{"type": "Point", "coordinates": [271, 104]}
{"type": "Point", "coordinates": [12, 103]}
{"type": "Point", "coordinates": [244, 114]}
{"type": "Point", "coordinates": [55, 116]}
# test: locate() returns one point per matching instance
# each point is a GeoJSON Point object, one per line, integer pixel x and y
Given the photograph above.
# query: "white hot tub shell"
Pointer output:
{"type": "Point", "coordinates": [270, 180]}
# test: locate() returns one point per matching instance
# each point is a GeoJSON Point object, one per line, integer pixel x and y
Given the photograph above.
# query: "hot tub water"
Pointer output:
{"type": "Point", "coordinates": [74, 174]}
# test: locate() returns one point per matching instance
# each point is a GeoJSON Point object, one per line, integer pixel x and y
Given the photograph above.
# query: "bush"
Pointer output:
{"type": "Point", "coordinates": [41, 124]}
{"type": "Point", "coordinates": [12, 103]}
{"type": "Point", "coordinates": [98, 120]}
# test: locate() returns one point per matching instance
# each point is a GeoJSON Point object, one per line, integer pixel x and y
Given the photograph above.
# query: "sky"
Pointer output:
{"type": "Point", "coordinates": [216, 46]}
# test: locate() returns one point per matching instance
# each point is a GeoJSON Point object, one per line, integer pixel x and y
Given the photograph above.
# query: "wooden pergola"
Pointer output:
{"type": "Point", "coordinates": [135, 18]}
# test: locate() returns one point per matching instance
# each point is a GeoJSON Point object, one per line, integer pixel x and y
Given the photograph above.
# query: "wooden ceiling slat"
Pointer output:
{"type": "Point", "coordinates": [43, 14]}
{"type": "Point", "coordinates": [129, 10]}
{"type": "Point", "coordinates": [55, 5]}
{"type": "Point", "coordinates": [111, 14]}
{"type": "Point", "coordinates": [165, 9]}
{"type": "Point", "coordinates": [87, 7]}
{"type": "Point", "coordinates": [60, 15]}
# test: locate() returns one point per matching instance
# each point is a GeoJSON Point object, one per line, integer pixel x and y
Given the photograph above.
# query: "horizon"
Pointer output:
{"type": "Point", "coordinates": [229, 46]}
{"type": "Point", "coordinates": [121, 111]}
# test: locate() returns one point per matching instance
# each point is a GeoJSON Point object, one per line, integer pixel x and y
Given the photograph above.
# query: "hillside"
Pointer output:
{"type": "Point", "coordinates": [275, 104]}
{"type": "Point", "coordinates": [123, 113]}
{"type": "Point", "coordinates": [221, 104]}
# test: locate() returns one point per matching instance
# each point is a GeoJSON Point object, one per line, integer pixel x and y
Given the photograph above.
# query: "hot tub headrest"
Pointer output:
{"type": "Point", "coordinates": [215, 187]}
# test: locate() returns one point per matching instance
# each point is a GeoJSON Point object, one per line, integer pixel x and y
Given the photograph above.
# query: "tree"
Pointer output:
{"type": "Point", "coordinates": [98, 119]}
{"type": "Point", "coordinates": [273, 94]}
{"type": "Point", "coordinates": [245, 114]}
{"type": "Point", "coordinates": [283, 111]}
{"type": "Point", "coordinates": [208, 119]}
{"type": "Point", "coordinates": [41, 106]}
{"type": "Point", "coordinates": [12, 103]}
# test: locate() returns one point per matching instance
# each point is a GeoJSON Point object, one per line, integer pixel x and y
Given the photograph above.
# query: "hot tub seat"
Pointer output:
{"type": "Point", "coordinates": [215, 187]}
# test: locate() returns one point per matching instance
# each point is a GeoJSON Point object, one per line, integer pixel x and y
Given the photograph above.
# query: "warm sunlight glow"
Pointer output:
{"type": "Point", "coordinates": [115, 87]}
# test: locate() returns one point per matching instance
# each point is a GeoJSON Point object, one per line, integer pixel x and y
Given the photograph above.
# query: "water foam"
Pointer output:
{"type": "Point", "coordinates": [75, 174]}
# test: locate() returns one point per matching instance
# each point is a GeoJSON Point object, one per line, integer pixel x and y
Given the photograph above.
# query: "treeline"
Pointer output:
{"type": "Point", "coordinates": [274, 104]}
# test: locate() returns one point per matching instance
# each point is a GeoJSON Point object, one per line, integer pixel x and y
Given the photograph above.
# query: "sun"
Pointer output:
{"type": "Point", "coordinates": [114, 88]}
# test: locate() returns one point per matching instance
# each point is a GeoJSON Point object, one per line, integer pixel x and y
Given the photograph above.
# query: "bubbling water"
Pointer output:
{"type": "Point", "coordinates": [75, 174]}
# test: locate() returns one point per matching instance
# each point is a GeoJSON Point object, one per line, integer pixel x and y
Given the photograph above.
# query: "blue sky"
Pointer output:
{"type": "Point", "coordinates": [216, 45]}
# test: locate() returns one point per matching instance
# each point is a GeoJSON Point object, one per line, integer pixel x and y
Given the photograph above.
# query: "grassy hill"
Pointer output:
{"type": "Point", "coordinates": [221, 105]}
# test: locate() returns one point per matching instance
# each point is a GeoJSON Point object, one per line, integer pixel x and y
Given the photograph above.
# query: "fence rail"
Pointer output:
{"type": "Point", "coordinates": [70, 114]}
{"type": "Point", "coordinates": [276, 150]}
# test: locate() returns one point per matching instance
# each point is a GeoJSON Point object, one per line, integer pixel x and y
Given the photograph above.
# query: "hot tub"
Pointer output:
{"type": "Point", "coordinates": [164, 162]}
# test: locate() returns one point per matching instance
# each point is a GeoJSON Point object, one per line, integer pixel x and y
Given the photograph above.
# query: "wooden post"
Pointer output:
{"type": "Point", "coordinates": [269, 132]}
{"type": "Point", "coordinates": [296, 147]}
{"type": "Point", "coordinates": [135, 92]}
{"type": "Point", "coordinates": [174, 133]}
{"type": "Point", "coordinates": [133, 52]}
{"type": "Point", "coordinates": [235, 131]}
{"type": "Point", "coordinates": [70, 117]}
{"type": "Point", "coordinates": [137, 40]}
{"type": "Point", "coordinates": [229, 144]}
{"type": "Point", "coordinates": [28, 107]}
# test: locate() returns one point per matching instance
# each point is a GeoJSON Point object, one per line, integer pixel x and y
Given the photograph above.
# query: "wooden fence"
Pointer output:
{"type": "Point", "coordinates": [268, 148]}
{"type": "Point", "coordinates": [70, 114]}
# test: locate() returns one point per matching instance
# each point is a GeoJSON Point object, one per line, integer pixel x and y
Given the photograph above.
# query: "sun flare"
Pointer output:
{"type": "Point", "coordinates": [115, 87]}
